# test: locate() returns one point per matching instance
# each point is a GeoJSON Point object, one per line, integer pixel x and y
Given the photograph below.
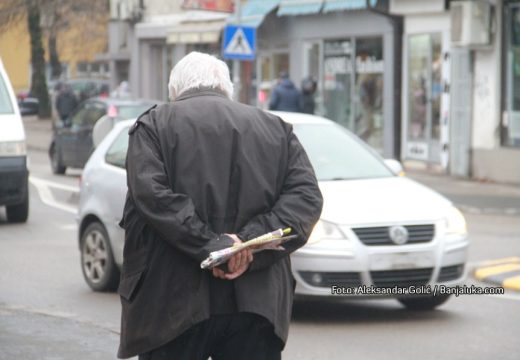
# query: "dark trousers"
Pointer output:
{"type": "Point", "coordinates": [239, 336]}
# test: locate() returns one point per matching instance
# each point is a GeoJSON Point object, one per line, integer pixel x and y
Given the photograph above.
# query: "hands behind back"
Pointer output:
{"type": "Point", "coordinates": [237, 264]}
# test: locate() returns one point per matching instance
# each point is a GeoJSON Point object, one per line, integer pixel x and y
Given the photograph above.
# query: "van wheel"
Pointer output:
{"type": "Point", "coordinates": [97, 262]}
{"type": "Point", "coordinates": [56, 165]}
{"type": "Point", "coordinates": [18, 213]}
{"type": "Point", "coordinates": [424, 303]}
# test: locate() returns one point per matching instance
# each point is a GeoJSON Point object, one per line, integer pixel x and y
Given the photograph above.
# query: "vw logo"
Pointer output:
{"type": "Point", "coordinates": [398, 234]}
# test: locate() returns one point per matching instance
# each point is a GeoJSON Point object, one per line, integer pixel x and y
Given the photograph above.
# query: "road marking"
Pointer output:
{"type": "Point", "coordinates": [55, 185]}
{"type": "Point", "coordinates": [512, 283]}
{"type": "Point", "coordinates": [503, 272]}
{"type": "Point", "coordinates": [43, 187]}
{"type": "Point", "coordinates": [494, 270]}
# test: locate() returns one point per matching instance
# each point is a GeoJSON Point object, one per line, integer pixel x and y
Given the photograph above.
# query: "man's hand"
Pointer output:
{"type": "Point", "coordinates": [237, 264]}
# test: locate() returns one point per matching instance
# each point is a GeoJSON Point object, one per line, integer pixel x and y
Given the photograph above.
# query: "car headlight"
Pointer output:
{"type": "Point", "coordinates": [324, 230]}
{"type": "Point", "coordinates": [12, 148]}
{"type": "Point", "coordinates": [455, 222]}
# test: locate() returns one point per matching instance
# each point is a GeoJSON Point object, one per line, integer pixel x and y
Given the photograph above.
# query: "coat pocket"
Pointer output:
{"type": "Point", "coordinates": [129, 284]}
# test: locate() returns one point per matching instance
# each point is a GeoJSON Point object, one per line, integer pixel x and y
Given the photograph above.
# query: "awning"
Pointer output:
{"type": "Point", "coordinates": [339, 5]}
{"type": "Point", "coordinates": [299, 7]}
{"type": "Point", "coordinates": [199, 32]}
{"type": "Point", "coordinates": [253, 12]}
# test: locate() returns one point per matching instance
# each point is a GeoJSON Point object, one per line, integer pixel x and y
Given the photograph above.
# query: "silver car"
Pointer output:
{"type": "Point", "coordinates": [380, 234]}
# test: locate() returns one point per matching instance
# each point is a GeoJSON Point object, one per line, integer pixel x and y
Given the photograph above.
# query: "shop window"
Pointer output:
{"type": "Point", "coordinates": [352, 87]}
{"type": "Point", "coordinates": [424, 95]}
{"type": "Point", "coordinates": [511, 120]}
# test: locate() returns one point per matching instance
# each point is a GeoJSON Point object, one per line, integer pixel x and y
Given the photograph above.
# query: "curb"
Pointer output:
{"type": "Point", "coordinates": [503, 272]}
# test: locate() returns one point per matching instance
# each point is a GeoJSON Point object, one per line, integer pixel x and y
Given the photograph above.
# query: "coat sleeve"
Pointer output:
{"type": "Point", "coordinates": [275, 100]}
{"type": "Point", "coordinates": [298, 207]}
{"type": "Point", "coordinates": [170, 214]}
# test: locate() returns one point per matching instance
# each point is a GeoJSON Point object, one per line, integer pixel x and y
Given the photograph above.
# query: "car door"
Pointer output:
{"type": "Point", "coordinates": [66, 135]}
{"type": "Point", "coordinates": [113, 190]}
{"type": "Point", "coordinates": [85, 146]}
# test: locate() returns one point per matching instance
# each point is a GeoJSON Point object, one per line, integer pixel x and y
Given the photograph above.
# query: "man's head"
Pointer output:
{"type": "Point", "coordinates": [196, 71]}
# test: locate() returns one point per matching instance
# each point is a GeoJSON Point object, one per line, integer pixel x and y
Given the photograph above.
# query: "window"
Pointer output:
{"type": "Point", "coordinates": [116, 154]}
{"type": "Point", "coordinates": [511, 122]}
{"type": "Point", "coordinates": [5, 100]}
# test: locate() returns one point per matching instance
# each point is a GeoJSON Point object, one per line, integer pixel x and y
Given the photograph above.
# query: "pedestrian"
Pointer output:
{"type": "Point", "coordinates": [285, 96]}
{"type": "Point", "coordinates": [307, 99]}
{"type": "Point", "coordinates": [66, 101]}
{"type": "Point", "coordinates": [205, 172]}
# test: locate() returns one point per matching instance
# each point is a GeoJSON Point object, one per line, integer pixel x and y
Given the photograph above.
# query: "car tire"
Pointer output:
{"type": "Point", "coordinates": [56, 165]}
{"type": "Point", "coordinates": [424, 303]}
{"type": "Point", "coordinates": [97, 262]}
{"type": "Point", "coordinates": [18, 213]}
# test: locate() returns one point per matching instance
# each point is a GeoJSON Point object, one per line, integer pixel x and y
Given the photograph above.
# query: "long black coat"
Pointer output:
{"type": "Point", "coordinates": [199, 167]}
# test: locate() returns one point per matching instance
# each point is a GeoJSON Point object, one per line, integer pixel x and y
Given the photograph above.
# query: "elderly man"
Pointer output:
{"type": "Point", "coordinates": [205, 172]}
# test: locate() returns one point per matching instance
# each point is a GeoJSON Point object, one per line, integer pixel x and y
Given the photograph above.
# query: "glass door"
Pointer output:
{"type": "Point", "coordinates": [424, 97]}
{"type": "Point", "coordinates": [337, 81]}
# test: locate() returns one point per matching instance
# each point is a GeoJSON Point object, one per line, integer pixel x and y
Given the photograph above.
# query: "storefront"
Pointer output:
{"type": "Point", "coordinates": [351, 55]}
{"type": "Point", "coordinates": [426, 75]}
{"type": "Point", "coordinates": [510, 134]}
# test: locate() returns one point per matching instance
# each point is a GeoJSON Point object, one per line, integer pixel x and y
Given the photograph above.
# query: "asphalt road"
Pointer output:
{"type": "Point", "coordinates": [48, 312]}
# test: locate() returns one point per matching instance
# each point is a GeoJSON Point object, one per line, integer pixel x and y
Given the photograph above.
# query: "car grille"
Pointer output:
{"type": "Point", "coordinates": [327, 279]}
{"type": "Point", "coordinates": [451, 272]}
{"type": "Point", "coordinates": [401, 278]}
{"type": "Point", "coordinates": [380, 235]}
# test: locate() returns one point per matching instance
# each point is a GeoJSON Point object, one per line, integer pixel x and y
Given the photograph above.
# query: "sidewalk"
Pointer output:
{"type": "Point", "coordinates": [471, 196]}
{"type": "Point", "coordinates": [38, 133]}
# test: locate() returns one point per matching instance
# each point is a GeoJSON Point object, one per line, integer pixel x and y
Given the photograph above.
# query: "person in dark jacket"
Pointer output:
{"type": "Point", "coordinates": [307, 100]}
{"type": "Point", "coordinates": [66, 101]}
{"type": "Point", "coordinates": [204, 172]}
{"type": "Point", "coordinates": [285, 96]}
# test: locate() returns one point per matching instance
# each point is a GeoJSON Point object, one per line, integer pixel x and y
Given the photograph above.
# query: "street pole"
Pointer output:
{"type": "Point", "coordinates": [236, 63]}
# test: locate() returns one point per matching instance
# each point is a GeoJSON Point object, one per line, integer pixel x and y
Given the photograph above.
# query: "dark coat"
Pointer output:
{"type": "Point", "coordinates": [285, 97]}
{"type": "Point", "coordinates": [199, 167]}
{"type": "Point", "coordinates": [66, 102]}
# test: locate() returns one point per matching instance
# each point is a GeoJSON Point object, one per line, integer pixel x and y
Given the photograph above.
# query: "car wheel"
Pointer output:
{"type": "Point", "coordinates": [18, 213]}
{"type": "Point", "coordinates": [56, 165]}
{"type": "Point", "coordinates": [97, 262]}
{"type": "Point", "coordinates": [424, 303]}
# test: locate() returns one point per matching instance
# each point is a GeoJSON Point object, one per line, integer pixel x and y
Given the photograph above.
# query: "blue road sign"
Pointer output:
{"type": "Point", "coordinates": [239, 42]}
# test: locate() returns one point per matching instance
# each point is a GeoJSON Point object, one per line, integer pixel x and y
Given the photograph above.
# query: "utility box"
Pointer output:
{"type": "Point", "coordinates": [470, 23]}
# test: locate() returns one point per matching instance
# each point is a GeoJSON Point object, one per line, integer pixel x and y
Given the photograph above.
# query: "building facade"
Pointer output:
{"type": "Point", "coordinates": [459, 112]}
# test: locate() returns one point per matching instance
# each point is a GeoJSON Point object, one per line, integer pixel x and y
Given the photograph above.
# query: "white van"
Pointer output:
{"type": "Point", "coordinates": [14, 191]}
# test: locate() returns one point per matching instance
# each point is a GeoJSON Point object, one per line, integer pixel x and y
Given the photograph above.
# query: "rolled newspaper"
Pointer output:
{"type": "Point", "coordinates": [271, 241]}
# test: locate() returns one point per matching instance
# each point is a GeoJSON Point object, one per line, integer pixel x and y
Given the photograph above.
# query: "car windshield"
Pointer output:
{"type": "Point", "coordinates": [337, 155]}
{"type": "Point", "coordinates": [132, 111]}
{"type": "Point", "coordinates": [5, 100]}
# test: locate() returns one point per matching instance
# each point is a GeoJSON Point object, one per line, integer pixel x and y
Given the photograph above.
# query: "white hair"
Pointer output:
{"type": "Point", "coordinates": [197, 70]}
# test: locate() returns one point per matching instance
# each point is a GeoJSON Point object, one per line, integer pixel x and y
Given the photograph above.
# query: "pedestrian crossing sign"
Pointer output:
{"type": "Point", "coordinates": [239, 42]}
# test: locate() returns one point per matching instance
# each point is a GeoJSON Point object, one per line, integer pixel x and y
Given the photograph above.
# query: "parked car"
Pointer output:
{"type": "Point", "coordinates": [14, 191]}
{"type": "Point", "coordinates": [87, 88]}
{"type": "Point", "coordinates": [377, 228]}
{"type": "Point", "coordinates": [71, 143]}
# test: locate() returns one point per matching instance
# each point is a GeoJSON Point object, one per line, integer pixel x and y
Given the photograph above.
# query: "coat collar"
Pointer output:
{"type": "Point", "coordinates": [201, 92]}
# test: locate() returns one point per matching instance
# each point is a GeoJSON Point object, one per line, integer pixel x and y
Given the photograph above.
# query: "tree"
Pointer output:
{"type": "Point", "coordinates": [14, 11]}
{"type": "Point", "coordinates": [55, 16]}
{"type": "Point", "coordinates": [38, 81]}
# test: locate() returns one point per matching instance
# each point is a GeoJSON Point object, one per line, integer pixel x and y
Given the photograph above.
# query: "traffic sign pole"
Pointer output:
{"type": "Point", "coordinates": [236, 63]}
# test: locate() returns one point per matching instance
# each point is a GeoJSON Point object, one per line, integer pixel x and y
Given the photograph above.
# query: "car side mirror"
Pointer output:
{"type": "Point", "coordinates": [395, 166]}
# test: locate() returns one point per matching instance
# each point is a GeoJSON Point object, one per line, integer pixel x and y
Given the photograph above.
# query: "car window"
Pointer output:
{"type": "Point", "coordinates": [79, 115]}
{"type": "Point", "coordinates": [337, 155]}
{"type": "Point", "coordinates": [132, 111]}
{"type": "Point", "coordinates": [95, 111]}
{"type": "Point", "coordinates": [116, 154]}
{"type": "Point", "coordinates": [6, 107]}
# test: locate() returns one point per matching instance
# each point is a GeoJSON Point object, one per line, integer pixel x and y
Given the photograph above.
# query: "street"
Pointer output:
{"type": "Point", "coordinates": [48, 312]}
